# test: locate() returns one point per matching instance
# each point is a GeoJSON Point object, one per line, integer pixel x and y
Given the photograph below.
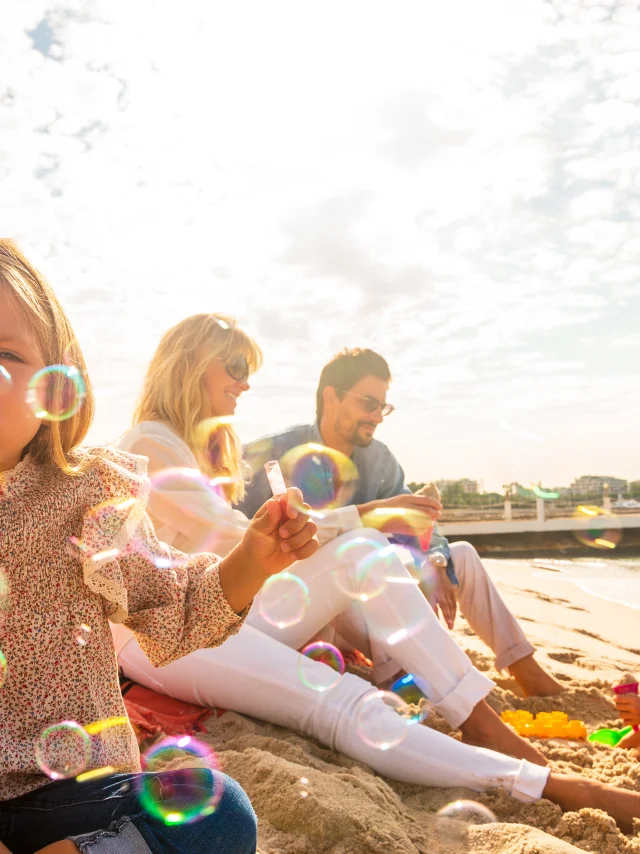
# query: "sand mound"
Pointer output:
{"type": "Point", "coordinates": [350, 810]}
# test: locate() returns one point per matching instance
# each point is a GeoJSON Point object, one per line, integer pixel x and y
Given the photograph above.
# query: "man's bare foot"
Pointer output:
{"type": "Point", "coordinates": [631, 741]}
{"type": "Point", "coordinates": [483, 728]}
{"type": "Point", "coordinates": [575, 793]}
{"type": "Point", "coordinates": [533, 679]}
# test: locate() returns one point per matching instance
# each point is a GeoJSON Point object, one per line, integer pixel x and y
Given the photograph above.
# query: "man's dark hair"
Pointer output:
{"type": "Point", "coordinates": [347, 368]}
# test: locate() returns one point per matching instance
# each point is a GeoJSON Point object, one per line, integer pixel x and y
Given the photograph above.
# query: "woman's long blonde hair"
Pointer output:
{"type": "Point", "coordinates": [55, 440]}
{"type": "Point", "coordinates": [173, 391]}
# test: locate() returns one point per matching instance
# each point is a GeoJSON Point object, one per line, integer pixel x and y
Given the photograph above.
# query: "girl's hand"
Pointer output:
{"type": "Point", "coordinates": [280, 533]}
{"type": "Point", "coordinates": [629, 707]}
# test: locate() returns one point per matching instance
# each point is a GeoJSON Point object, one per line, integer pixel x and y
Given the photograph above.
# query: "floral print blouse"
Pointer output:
{"type": "Point", "coordinates": [75, 552]}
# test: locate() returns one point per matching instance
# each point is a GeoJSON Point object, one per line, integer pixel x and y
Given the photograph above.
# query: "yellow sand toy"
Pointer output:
{"type": "Point", "coordinates": [544, 725]}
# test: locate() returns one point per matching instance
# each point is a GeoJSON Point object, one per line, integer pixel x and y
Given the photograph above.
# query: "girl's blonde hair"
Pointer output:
{"type": "Point", "coordinates": [173, 391]}
{"type": "Point", "coordinates": [55, 441]}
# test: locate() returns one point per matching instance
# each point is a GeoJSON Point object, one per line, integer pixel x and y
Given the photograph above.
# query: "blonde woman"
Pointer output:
{"type": "Point", "coordinates": [201, 366]}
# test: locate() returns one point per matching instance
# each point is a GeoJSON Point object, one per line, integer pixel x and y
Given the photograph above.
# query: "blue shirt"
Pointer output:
{"type": "Point", "coordinates": [380, 475]}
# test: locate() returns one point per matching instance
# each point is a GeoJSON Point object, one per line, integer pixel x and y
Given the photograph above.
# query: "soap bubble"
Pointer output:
{"type": "Point", "coordinates": [453, 822]}
{"type": "Point", "coordinates": [106, 723]}
{"type": "Point", "coordinates": [303, 788]}
{"type": "Point", "coordinates": [418, 564]}
{"type": "Point", "coordinates": [283, 600]}
{"type": "Point", "coordinates": [56, 392]}
{"type": "Point", "coordinates": [326, 477]}
{"type": "Point", "coordinates": [179, 795]}
{"type": "Point", "coordinates": [384, 625]}
{"type": "Point", "coordinates": [310, 666]}
{"type": "Point", "coordinates": [82, 634]}
{"type": "Point", "coordinates": [413, 691]}
{"type": "Point", "coordinates": [470, 812]}
{"type": "Point", "coordinates": [602, 532]}
{"type": "Point", "coordinates": [362, 567]}
{"type": "Point", "coordinates": [109, 526]}
{"type": "Point", "coordinates": [410, 556]}
{"type": "Point", "coordinates": [3, 669]}
{"type": "Point", "coordinates": [407, 521]}
{"type": "Point", "coordinates": [381, 727]}
{"type": "Point", "coordinates": [63, 750]}
{"type": "Point", "coordinates": [6, 382]}
{"type": "Point", "coordinates": [209, 434]}
{"type": "Point", "coordinates": [96, 773]}
{"type": "Point", "coordinates": [186, 481]}
{"type": "Point", "coordinates": [191, 489]}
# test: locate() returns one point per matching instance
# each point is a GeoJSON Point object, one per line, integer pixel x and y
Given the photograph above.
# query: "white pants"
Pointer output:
{"type": "Point", "coordinates": [480, 604]}
{"type": "Point", "coordinates": [479, 600]}
{"type": "Point", "coordinates": [256, 673]}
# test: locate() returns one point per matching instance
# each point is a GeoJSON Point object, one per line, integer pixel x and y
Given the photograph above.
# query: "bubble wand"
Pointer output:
{"type": "Point", "coordinates": [276, 482]}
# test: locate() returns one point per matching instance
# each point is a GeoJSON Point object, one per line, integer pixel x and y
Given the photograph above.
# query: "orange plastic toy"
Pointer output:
{"type": "Point", "coordinates": [544, 725]}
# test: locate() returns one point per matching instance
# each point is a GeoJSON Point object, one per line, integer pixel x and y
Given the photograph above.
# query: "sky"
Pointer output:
{"type": "Point", "coordinates": [456, 185]}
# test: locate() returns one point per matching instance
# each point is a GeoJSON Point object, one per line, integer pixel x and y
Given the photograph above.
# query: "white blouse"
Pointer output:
{"type": "Point", "coordinates": [195, 519]}
{"type": "Point", "coordinates": [185, 514]}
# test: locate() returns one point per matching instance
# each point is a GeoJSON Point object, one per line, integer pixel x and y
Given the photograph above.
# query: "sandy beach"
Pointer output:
{"type": "Point", "coordinates": [586, 642]}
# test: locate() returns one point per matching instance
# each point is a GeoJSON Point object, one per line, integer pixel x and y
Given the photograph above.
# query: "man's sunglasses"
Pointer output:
{"type": "Point", "coordinates": [237, 368]}
{"type": "Point", "coordinates": [370, 404]}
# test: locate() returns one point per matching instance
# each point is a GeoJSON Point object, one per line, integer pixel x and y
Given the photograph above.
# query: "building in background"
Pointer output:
{"type": "Point", "coordinates": [592, 484]}
{"type": "Point", "coordinates": [463, 485]}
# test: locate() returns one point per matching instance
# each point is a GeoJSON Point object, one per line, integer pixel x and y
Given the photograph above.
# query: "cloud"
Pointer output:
{"type": "Point", "coordinates": [456, 185]}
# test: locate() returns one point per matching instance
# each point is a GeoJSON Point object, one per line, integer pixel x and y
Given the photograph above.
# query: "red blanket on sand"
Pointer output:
{"type": "Point", "coordinates": [152, 713]}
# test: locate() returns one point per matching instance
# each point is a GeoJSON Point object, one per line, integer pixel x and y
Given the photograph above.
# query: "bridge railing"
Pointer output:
{"type": "Point", "coordinates": [522, 509]}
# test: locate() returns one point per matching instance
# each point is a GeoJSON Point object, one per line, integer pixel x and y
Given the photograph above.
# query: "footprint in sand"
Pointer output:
{"type": "Point", "coordinates": [564, 657]}
{"type": "Point", "coordinates": [550, 600]}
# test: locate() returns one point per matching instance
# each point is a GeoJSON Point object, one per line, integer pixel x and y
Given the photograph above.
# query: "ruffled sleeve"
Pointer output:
{"type": "Point", "coordinates": [173, 602]}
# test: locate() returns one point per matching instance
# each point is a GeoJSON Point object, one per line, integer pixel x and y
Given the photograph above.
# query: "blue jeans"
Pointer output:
{"type": "Point", "coordinates": [104, 816]}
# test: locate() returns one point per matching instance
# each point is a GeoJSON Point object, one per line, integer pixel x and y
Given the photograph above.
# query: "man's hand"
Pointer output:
{"type": "Point", "coordinates": [443, 596]}
{"type": "Point", "coordinates": [629, 707]}
{"type": "Point", "coordinates": [402, 514]}
{"type": "Point", "coordinates": [430, 490]}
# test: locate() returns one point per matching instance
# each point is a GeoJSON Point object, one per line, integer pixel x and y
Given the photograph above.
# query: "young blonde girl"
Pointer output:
{"type": "Point", "coordinates": [76, 550]}
{"type": "Point", "coordinates": [183, 422]}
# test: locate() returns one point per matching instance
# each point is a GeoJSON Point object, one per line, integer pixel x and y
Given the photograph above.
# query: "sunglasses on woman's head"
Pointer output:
{"type": "Point", "coordinates": [237, 367]}
{"type": "Point", "coordinates": [370, 404]}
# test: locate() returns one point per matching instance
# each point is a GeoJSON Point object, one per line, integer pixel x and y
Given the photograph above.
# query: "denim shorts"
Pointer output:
{"type": "Point", "coordinates": [105, 816]}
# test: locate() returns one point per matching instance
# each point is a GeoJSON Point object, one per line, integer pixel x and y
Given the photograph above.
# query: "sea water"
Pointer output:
{"type": "Point", "coordinates": [616, 579]}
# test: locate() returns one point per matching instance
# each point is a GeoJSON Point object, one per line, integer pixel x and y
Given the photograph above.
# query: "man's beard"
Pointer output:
{"type": "Point", "coordinates": [361, 441]}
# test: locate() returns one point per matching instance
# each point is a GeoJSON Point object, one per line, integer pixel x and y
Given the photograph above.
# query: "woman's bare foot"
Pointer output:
{"type": "Point", "coordinates": [575, 793]}
{"type": "Point", "coordinates": [483, 728]}
{"type": "Point", "coordinates": [533, 679]}
{"type": "Point", "coordinates": [631, 741]}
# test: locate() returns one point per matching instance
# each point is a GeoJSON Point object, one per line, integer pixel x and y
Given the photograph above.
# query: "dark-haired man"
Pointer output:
{"type": "Point", "coordinates": [351, 402]}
